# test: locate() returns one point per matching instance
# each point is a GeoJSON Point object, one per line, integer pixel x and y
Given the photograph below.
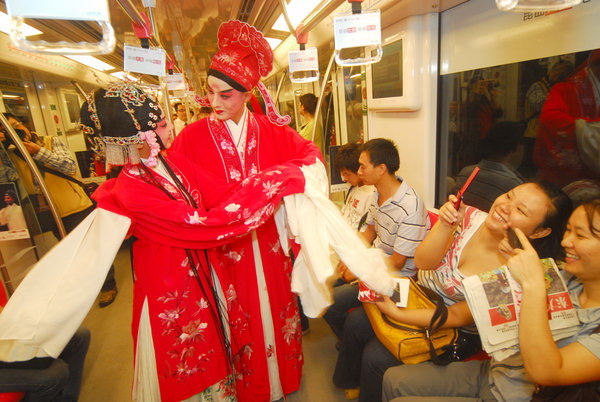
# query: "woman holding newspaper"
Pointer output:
{"type": "Point", "coordinates": [465, 242]}
{"type": "Point", "coordinates": [574, 360]}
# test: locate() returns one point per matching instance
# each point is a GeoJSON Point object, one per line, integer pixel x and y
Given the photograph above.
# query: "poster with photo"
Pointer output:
{"type": "Point", "coordinates": [12, 220]}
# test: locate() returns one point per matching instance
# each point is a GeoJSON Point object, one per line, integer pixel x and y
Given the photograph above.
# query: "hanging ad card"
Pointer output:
{"type": "Point", "coordinates": [175, 82]}
{"type": "Point", "coordinates": [357, 30]}
{"type": "Point", "coordinates": [144, 61]}
{"type": "Point", "coordinates": [304, 60]}
{"type": "Point", "coordinates": [95, 10]}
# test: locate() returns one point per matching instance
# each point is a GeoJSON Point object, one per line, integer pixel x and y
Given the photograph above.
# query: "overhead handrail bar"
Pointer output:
{"type": "Point", "coordinates": [36, 173]}
{"type": "Point", "coordinates": [79, 89]}
{"type": "Point", "coordinates": [136, 17]}
{"type": "Point", "coordinates": [316, 17]}
{"type": "Point", "coordinates": [313, 19]}
{"type": "Point", "coordinates": [286, 17]}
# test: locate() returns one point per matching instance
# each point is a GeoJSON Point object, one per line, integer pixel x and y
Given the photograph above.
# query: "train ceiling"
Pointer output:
{"type": "Point", "coordinates": [191, 25]}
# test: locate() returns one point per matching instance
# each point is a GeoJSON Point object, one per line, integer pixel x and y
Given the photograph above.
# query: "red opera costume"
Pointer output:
{"type": "Point", "coordinates": [270, 366]}
{"type": "Point", "coordinates": [209, 145]}
{"type": "Point", "coordinates": [556, 153]}
{"type": "Point", "coordinates": [190, 354]}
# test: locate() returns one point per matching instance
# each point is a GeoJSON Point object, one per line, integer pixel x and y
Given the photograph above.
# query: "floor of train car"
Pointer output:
{"type": "Point", "coordinates": [108, 369]}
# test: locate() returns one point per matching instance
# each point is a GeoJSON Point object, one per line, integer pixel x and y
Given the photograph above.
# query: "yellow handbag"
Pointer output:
{"type": "Point", "coordinates": [411, 344]}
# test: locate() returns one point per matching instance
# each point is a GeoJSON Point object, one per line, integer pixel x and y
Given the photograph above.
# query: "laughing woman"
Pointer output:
{"type": "Point", "coordinates": [463, 242]}
{"type": "Point", "coordinates": [574, 360]}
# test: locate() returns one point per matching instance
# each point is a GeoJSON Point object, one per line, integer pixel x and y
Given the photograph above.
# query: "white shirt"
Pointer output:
{"type": "Point", "coordinates": [357, 204]}
{"type": "Point", "coordinates": [238, 133]}
{"type": "Point", "coordinates": [178, 125]}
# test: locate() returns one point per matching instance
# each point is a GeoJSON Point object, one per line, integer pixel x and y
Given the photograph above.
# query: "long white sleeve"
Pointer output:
{"type": "Point", "coordinates": [316, 224]}
{"type": "Point", "coordinates": [51, 302]}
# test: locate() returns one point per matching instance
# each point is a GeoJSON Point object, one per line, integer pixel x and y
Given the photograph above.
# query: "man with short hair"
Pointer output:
{"type": "Point", "coordinates": [398, 219]}
{"type": "Point", "coordinates": [355, 211]}
{"type": "Point", "coordinates": [182, 118]}
{"type": "Point", "coordinates": [359, 196]}
{"type": "Point", "coordinates": [396, 224]}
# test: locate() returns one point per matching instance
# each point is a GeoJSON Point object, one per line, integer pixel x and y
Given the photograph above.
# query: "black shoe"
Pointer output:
{"type": "Point", "coordinates": [107, 297]}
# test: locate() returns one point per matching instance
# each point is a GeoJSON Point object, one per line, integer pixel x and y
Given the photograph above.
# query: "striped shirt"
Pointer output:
{"type": "Point", "coordinates": [59, 158]}
{"type": "Point", "coordinates": [401, 222]}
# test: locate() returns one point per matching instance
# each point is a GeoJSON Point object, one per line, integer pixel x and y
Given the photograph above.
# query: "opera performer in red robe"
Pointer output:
{"type": "Point", "coordinates": [234, 143]}
{"type": "Point", "coordinates": [184, 301]}
{"type": "Point", "coordinates": [570, 106]}
{"type": "Point", "coordinates": [243, 339]}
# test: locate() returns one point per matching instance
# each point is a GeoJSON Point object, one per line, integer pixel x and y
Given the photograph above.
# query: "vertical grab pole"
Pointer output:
{"type": "Point", "coordinates": [279, 86]}
{"type": "Point", "coordinates": [320, 100]}
{"type": "Point", "coordinates": [150, 4]}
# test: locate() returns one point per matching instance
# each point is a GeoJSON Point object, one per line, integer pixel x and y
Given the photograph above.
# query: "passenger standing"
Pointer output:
{"type": "Point", "coordinates": [232, 144]}
{"type": "Point", "coordinates": [74, 205]}
{"type": "Point", "coordinates": [307, 109]}
{"type": "Point", "coordinates": [556, 152]}
{"type": "Point", "coordinates": [535, 97]}
{"type": "Point", "coordinates": [182, 118]}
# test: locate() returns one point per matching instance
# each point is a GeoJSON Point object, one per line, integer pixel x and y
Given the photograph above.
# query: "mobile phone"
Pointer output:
{"type": "Point", "coordinates": [396, 295]}
{"type": "Point", "coordinates": [513, 239]}
{"type": "Point", "coordinates": [465, 186]}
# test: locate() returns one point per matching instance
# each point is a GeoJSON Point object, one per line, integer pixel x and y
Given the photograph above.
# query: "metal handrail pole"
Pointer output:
{"type": "Point", "coordinates": [320, 100]}
{"type": "Point", "coordinates": [279, 86]}
{"type": "Point", "coordinates": [133, 13]}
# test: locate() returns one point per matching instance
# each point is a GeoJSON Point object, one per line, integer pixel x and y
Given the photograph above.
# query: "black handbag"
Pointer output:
{"type": "Point", "coordinates": [587, 392]}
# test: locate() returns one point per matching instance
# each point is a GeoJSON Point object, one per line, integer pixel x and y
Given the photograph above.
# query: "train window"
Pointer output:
{"type": "Point", "coordinates": [546, 97]}
{"type": "Point", "coordinates": [72, 103]}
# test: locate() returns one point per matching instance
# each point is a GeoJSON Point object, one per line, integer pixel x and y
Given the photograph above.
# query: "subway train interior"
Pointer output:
{"type": "Point", "coordinates": [439, 78]}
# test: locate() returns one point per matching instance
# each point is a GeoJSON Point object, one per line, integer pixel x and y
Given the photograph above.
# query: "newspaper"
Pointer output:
{"type": "Point", "coordinates": [494, 299]}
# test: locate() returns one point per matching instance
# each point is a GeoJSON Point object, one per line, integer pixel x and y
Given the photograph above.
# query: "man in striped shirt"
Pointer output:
{"type": "Point", "coordinates": [398, 219]}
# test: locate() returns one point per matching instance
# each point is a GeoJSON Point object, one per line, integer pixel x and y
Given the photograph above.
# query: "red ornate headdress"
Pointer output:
{"type": "Point", "coordinates": [244, 57]}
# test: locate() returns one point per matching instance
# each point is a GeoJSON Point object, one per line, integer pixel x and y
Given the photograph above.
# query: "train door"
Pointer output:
{"type": "Point", "coordinates": [352, 104]}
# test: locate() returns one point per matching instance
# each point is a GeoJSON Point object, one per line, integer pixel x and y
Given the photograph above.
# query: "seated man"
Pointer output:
{"type": "Point", "coordinates": [396, 224]}
{"type": "Point", "coordinates": [355, 210]}
{"type": "Point", "coordinates": [359, 196]}
{"type": "Point", "coordinates": [47, 379]}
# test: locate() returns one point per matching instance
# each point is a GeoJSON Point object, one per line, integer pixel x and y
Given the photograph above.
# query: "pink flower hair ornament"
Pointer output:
{"type": "Point", "coordinates": [150, 138]}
